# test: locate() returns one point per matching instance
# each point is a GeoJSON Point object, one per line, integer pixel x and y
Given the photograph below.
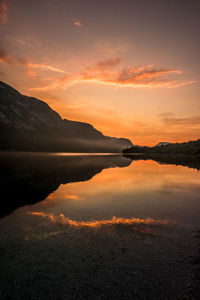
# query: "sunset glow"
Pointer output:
{"type": "Point", "coordinates": [129, 68]}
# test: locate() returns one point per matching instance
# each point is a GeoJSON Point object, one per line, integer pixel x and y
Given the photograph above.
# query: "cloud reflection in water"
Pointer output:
{"type": "Point", "coordinates": [139, 228]}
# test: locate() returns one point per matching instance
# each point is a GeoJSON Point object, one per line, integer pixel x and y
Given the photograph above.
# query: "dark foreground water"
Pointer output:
{"type": "Point", "coordinates": [99, 227]}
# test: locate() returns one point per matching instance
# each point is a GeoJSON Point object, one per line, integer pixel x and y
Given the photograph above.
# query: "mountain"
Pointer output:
{"type": "Point", "coordinates": [162, 144]}
{"type": "Point", "coordinates": [29, 124]}
{"type": "Point", "coordinates": [189, 148]}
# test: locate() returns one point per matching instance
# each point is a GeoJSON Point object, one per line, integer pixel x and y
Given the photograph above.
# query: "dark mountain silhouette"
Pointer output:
{"type": "Point", "coordinates": [189, 148]}
{"type": "Point", "coordinates": [29, 124]}
{"type": "Point", "coordinates": [27, 178]}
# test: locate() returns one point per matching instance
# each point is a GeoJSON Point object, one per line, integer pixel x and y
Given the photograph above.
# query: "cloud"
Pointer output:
{"type": "Point", "coordinates": [5, 57]}
{"type": "Point", "coordinates": [28, 42]}
{"type": "Point", "coordinates": [169, 120]}
{"type": "Point", "coordinates": [43, 66]}
{"type": "Point", "coordinates": [77, 23]}
{"type": "Point", "coordinates": [102, 73]}
{"type": "Point", "coordinates": [3, 13]}
{"type": "Point", "coordinates": [31, 74]}
{"type": "Point", "coordinates": [104, 65]}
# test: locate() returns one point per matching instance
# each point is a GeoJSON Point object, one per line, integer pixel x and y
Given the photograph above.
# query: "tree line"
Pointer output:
{"type": "Point", "coordinates": [191, 147]}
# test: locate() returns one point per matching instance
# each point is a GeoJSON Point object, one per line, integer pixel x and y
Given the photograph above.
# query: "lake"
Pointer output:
{"type": "Point", "coordinates": [99, 226]}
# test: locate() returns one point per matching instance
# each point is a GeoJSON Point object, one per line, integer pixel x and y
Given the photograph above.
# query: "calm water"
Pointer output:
{"type": "Point", "coordinates": [99, 227]}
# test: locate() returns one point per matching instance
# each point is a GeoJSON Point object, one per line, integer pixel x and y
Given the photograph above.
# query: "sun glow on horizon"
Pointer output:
{"type": "Point", "coordinates": [122, 74]}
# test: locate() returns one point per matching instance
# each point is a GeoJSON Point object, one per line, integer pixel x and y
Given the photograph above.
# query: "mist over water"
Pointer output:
{"type": "Point", "coordinates": [98, 226]}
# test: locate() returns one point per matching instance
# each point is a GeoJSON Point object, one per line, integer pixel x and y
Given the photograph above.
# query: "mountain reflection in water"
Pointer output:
{"type": "Point", "coordinates": [33, 176]}
{"type": "Point", "coordinates": [27, 178]}
{"type": "Point", "coordinates": [99, 227]}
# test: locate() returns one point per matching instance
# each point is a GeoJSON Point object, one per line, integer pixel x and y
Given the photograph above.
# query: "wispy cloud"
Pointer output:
{"type": "Point", "coordinates": [3, 13]}
{"type": "Point", "coordinates": [77, 23]}
{"type": "Point", "coordinates": [31, 74]}
{"type": "Point", "coordinates": [169, 119]}
{"type": "Point", "coordinates": [104, 65]}
{"type": "Point", "coordinates": [103, 73]}
{"type": "Point", "coordinates": [43, 66]}
{"type": "Point", "coordinates": [29, 42]}
{"type": "Point", "coordinates": [5, 57]}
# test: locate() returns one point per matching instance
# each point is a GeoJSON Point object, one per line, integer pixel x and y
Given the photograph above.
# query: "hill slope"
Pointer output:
{"type": "Point", "coordinates": [29, 124]}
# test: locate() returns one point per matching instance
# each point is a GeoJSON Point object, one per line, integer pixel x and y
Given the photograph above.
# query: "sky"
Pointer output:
{"type": "Point", "coordinates": [128, 67]}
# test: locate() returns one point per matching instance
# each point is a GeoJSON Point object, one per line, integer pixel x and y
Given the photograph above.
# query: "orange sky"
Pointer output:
{"type": "Point", "coordinates": [130, 68]}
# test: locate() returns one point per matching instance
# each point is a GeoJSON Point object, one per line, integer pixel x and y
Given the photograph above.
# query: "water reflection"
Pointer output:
{"type": "Point", "coordinates": [190, 161]}
{"type": "Point", "coordinates": [136, 228]}
{"type": "Point", "coordinates": [27, 178]}
{"type": "Point", "coordinates": [107, 228]}
{"type": "Point", "coordinates": [62, 220]}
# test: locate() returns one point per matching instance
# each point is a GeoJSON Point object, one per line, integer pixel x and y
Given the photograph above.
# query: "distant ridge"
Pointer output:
{"type": "Point", "coordinates": [29, 124]}
{"type": "Point", "coordinates": [162, 144]}
{"type": "Point", "coordinates": [189, 148]}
